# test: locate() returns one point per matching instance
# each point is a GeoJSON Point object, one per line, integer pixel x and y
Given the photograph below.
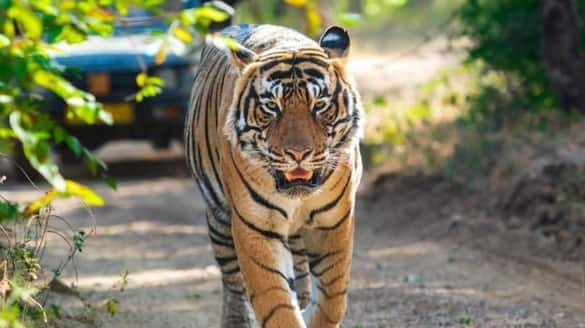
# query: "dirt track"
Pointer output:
{"type": "Point", "coordinates": [416, 263]}
{"type": "Point", "coordinates": [424, 257]}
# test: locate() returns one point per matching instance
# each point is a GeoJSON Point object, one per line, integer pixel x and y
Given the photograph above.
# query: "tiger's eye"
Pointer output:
{"type": "Point", "coordinates": [272, 105]}
{"type": "Point", "coordinates": [319, 104]}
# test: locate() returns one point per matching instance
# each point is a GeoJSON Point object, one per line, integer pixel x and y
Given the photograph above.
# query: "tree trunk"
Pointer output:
{"type": "Point", "coordinates": [562, 52]}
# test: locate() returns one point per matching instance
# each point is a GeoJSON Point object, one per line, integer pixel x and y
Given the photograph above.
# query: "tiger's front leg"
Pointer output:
{"type": "Point", "coordinates": [329, 250]}
{"type": "Point", "coordinates": [236, 312]}
{"type": "Point", "coordinates": [266, 265]}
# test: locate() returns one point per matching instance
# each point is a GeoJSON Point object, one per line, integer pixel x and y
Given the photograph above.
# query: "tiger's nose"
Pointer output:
{"type": "Point", "coordinates": [298, 153]}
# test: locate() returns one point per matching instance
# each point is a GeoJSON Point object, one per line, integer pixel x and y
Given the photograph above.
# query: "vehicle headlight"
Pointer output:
{"type": "Point", "coordinates": [168, 75]}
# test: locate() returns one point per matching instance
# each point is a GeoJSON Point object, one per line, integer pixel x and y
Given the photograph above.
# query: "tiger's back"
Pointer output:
{"type": "Point", "coordinates": [279, 183]}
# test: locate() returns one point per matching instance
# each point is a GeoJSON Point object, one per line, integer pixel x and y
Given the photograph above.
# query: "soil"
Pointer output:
{"type": "Point", "coordinates": [427, 254]}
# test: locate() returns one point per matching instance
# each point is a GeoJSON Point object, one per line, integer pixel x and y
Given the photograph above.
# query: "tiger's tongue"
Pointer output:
{"type": "Point", "coordinates": [298, 174]}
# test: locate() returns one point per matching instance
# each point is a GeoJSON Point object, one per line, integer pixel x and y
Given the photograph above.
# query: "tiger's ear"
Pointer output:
{"type": "Point", "coordinates": [335, 41]}
{"type": "Point", "coordinates": [242, 56]}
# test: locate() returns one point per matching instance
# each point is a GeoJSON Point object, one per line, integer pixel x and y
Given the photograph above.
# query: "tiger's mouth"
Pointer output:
{"type": "Point", "coordinates": [297, 179]}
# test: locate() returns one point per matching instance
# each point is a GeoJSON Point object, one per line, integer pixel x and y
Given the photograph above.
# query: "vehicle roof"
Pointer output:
{"type": "Point", "coordinates": [120, 53]}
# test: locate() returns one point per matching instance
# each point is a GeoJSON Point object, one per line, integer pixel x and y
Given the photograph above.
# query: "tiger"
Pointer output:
{"type": "Point", "coordinates": [272, 139]}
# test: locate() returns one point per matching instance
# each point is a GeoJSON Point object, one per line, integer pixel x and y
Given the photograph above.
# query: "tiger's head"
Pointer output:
{"type": "Point", "coordinates": [295, 113]}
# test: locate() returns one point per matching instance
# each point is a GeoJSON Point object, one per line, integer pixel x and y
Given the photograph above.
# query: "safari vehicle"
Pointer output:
{"type": "Point", "coordinates": [107, 68]}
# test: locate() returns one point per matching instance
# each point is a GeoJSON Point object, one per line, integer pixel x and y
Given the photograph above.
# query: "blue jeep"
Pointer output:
{"type": "Point", "coordinates": [107, 68]}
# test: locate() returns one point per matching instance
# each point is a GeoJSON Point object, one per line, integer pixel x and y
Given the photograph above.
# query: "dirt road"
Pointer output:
{"type": "Point", "coordinates": [416, 263]}
{"type": "Point", "coordinates": [424, 256]}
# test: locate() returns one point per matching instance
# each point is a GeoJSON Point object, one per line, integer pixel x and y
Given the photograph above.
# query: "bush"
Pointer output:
{"type": "Point", "coordinates": [507, 38]}
{"type": "Point", "coordinates": [29, 31]}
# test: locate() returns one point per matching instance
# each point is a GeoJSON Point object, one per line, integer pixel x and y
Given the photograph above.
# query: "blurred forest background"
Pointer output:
{"type": "Point", "coordinates": [485, 97]}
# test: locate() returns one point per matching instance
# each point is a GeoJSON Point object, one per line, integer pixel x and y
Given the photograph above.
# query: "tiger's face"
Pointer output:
{"type": "Point", "coordinates": [296, 115]}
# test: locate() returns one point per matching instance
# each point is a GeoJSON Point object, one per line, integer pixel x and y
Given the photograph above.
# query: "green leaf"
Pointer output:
{"type": "Point", "coordinates": [296, 3]}
{"type": "Point", "coordinates": [349, 19]}
{"type": "Point", "coordinates": [32, 25]}
{"type": "Point", "coordinates": [89, 196]}
{"type": "Point", "coordinates": [211, 13]}
{"type": "Point", "coordinates": [74, 144]}
{"type": "Point", "coordinates": [4, 41]}
{"type": "Point", "coordinates": [79, 240]}
{"type": "Point", "coordinates": [4, 4]}
{"type": "Point", "coordinates": [56, 311]}
{"type": "Point", "coordinates": [35, 207]}
{"type": "Point", "coordinates": [59, 134]}
{"type": "Point", "coordinates": [36, 151]}
{"type": "Point", "coordinates": [203, 16]}
{"type": "Point", "coordinates": [223, 42]}
{"type": "Point", "coordinates": [111, 182]}
{"type": "Point", "coordinates": [141, 79]}
{"type": "Point", "coordinates": [71, 34]}
{"type": "Point", "coordinates": [90, 162]}
{"type": "Point", "coordinates": [313, 19]}
{"type": "Point", "coordinates": [105, 117]}
{"type": "Point", "coordinates": [182, 34]}
{"type": "Point", "coordinates": [72, 189]}
{"type": "Point", "coordinates": [8, 211]}
{"type": "Point", "coordinates": [122, 8]}
{"type": "Point", "coordinates": [155, 81]}
{"type": "Point", "coordinates": [45, 7]}
{"type": "Point", "coordinates": [112, 306]}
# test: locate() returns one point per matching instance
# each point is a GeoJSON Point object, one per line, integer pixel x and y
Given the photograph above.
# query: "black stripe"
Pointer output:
{"type": "Point", "coordinates": [330, 205]}
{"type": "Point", "coordinates": [302, 276]}
{"type": "Point", "coordinates": [298, 252]}
{"type": "Point", "coordinates": [301, 263]}
{"type": "Point", "coordinates": [349, 133]}
{"type": "Point", "coordinates": [207, 143]}
{"type": "Point", "coordinates": [294, 237]}
{"type": "Point", "coordinates": [331, 296]}
{"type": "Point", "coordinates": [290, 281]}
{"type": "Point", "coordinates": [201, 89]}
{"type": "Point", "coordinates": [293, 61]}
{"type": "Point", "coordinates": [327, 318]}
{"type": "Point", "coordinates": [314, 73]}
{"type": "Point", "coordinates": [255, 196]}
{"type": "Point", "coordinates": [233, 290]}
{"type": "Point", "coordinates": [336, 225]}
{"type": "Point", "coordinates": [220, 242]}
{"type": "Point", "coordinates": [274, 310]}
{"type": "Point", "coordinates": [333, 280]}
{"type": "Point", "coordinates": [230, 271]}
{"type": "Point", "coordinates": [216, 218]}
{"type": "Point", "coordinates": [266, 291]}
{"type": "Point", "coordinates": [315, 61]}
{"type": "Point", "coordinates": [265, 233]}
{"type": "Point", "coordinates": [327, 176]}
{"type": "Point", "coordinates": [278, 75]}
{"type": "Point", "coordinates": [202, 176]}
{"type": "Point", "coordinates": [247, 97]}
{"type": "Point", "coordinates": [215, 232]}
{"type": "Point", "coordinates": [335, 94]}
{"type": "Point", "coordinates": [316, 260]}
{"type": "Point", "coordinates": [271, 64]}
{"type": "Point", "coordinates": [326, 269]}
{"type": "Point", "coordinates": [223, 260]}
{"type": "Point", "coordinates": [346, 119]}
